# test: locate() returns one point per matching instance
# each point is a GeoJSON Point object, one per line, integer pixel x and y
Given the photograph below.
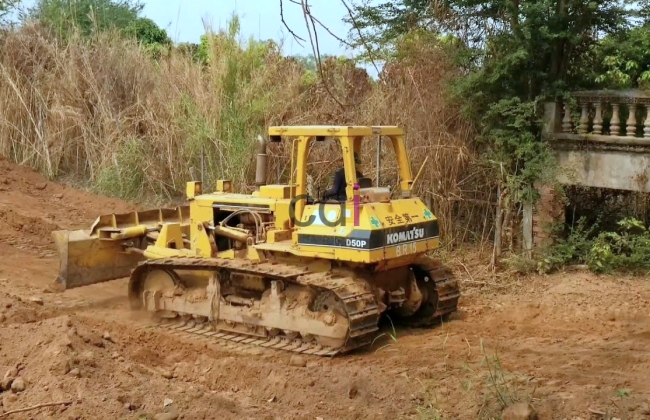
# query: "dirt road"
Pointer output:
{"type": "Point", "coordinates": [572, 344]}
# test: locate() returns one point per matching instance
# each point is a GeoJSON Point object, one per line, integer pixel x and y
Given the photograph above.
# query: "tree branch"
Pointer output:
{"type": "Point", "coordinates": [338, 38]}
{"type": "Point", "coordinates": [295, 36]}
{"type": "Point", "coordinates": [315, 48]}
{"type": "Point", "coordinates": [35, 407]}
{"type": "Point", "coordinates": [361, 37]}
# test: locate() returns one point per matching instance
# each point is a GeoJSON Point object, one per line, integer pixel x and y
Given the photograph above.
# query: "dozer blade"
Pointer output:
{"type": "Point", "coordinates": [88, 260]}
{"type": "Point", "coordinates": [106, 251]}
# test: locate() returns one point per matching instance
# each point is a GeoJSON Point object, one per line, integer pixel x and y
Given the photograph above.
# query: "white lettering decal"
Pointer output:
{"type": "Point", "coordinates": [355, 243]}
{"type": "Point", "coordinates": [406, 249]}
{"type": "Point", "coordinates": [409, 235]}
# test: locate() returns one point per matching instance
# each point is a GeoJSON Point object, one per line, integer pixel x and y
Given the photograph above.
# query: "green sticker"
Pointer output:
{"type": "Point", "coordinates": [427, 214]}
{"type": "Point", "coordinates": [374, 221]}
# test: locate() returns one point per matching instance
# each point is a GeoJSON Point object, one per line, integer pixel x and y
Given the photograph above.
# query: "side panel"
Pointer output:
{"type": "Point", "coordinates": [370, 240]}
{"type": "Point", "coordinates": [399, 230]}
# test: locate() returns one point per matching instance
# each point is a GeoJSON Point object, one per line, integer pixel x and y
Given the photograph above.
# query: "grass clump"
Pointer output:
{"type": "Point", "coordinates": [123, 175]}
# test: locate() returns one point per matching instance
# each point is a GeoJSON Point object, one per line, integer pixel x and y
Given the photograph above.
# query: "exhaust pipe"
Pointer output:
{"type": "Point", "coordinates": [260, 171]}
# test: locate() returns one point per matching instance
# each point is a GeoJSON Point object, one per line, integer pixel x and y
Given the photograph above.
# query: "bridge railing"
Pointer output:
{"type": "Point", "coordinates": [600, 139]}
{"type": "Point", "coordinates": [604, 116]}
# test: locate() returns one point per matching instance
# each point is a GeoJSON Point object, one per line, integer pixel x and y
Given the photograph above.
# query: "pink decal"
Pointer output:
{"type": "Point", "coordinates": [356, 205]}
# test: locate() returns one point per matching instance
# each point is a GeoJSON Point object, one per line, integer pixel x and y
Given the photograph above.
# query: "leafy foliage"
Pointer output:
{"type": "Point", "coordinates": [6, 7]}
{"type": "Point", "coordinates": [88, 17]}
{"type": "Point", "coordinates": [310, 65]}
{"type": "Point", "coordinates": [378, 26]}
{"type": "Point", "coordinates": [190, 49]}
{"type": "Point", "coordinates": [240, 67]}
{"type": "Point", "coordinates": [147, 32]}
{"type": "Point", "coordinates": [623, 59]}
{"type": "Point", "coordinates": [511, 133]}
{"type": "Point", "coordinates": [628, 248]}
{"type": "Point", "coordinates": [572, 248]}
{"type": "Point", "coordinates": [513, 53]}
{"type": "Point", "coordinates": [545, 37]}
{"type": "Point", "coordinates": [309, 62]}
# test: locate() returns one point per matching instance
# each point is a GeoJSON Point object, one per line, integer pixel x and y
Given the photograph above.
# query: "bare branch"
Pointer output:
{"type": "Point", "coordinates": [315, 48]}
{"type": "Point", "coordinates": [35, 407]}
{"type": "Point", "coordinates": [361, 37]}
{"type": "Point", "coordinates": [338, 38]}
{"type": "Point", "coordinates": [295, 36]}
{"type": "Point", "coordinates": [311, 23]}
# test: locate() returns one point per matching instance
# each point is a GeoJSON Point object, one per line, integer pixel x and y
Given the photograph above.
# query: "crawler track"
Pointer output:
{"type": "Point", "coordinates": [356, 296]}
{"type": "Point", "coordinates": [445, 290]}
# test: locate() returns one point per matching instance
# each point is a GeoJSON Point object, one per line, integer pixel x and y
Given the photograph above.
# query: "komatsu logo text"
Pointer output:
{"type": "Point", "coordinates": [409, 235]}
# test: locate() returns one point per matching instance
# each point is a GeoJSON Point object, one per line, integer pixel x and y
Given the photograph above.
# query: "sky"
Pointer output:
{"type": "Point", "coordinates": [184, 21]}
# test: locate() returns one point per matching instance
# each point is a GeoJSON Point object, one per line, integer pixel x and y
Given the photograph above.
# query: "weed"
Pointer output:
{"type": "Point", "coordinates": [501, 385]}
{"type": "Point", "coordinates": [622, 393]}
{"type": "Point", "coordinates": [628, 248]}
{"type": "Point", "coordinates": [501, 388]}
{"type": "Point", "coordinates": [429, 408]}
{"type": "Point", "coordinates": [392, 335]}
{"type": "Point", "coordinates": [574, 247]}
{"type": "Point", "coordinates": [124, 174]}
{"type": "Point", "coordinates": [520, 264]}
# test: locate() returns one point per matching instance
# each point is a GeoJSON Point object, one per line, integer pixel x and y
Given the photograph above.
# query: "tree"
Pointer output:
{"type": "Point", "coordinates": [91, 16]}
{"type": "Point", "coordinates": [86, 16]}
{"type": "Point", "coordinates": [515, 53]}
{"type": "Point", "coordinates": [623, 60]}
{"type": "Point", "coordinates": [539, 40]}
{"type": "Point", "coordinates": [6, 7]}
{"type": "Point", "coordinates": [147, 32]}
{"type": "Point", "coordinates": [308, 62]}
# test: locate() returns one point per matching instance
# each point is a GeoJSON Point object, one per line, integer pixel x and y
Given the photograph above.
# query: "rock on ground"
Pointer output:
{"type": "Point", "coordinates": [519, 411]}
{"type": "Point", "coordinates": [5, 383]}
{"type": "Point", "coordinates": [18, 385]}
{"type": "Point", "coordinates": [11, 373]}
{"type": "Point", "coordinates": [37, 300]}
{"type": "Point", "coordinates": [298, 361]}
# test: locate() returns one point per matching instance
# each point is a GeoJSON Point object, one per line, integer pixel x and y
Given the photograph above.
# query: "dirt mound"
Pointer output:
{"type": "Point", "coordinates": [31, 206]}
{"type": "Point", "coordinates": [16, 310]}
{"type": "Point", "coordinates": [87, 371]}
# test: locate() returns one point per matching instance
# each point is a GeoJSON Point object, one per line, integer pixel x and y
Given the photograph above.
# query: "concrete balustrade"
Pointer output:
{"type": "Point", "coordinates": [600, 139]}
{"type": "Point", "coordinates": [601, 119]}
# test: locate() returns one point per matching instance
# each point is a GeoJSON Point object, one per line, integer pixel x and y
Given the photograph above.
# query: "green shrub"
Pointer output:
{"type": "Point", "coordinates": [627, 249]}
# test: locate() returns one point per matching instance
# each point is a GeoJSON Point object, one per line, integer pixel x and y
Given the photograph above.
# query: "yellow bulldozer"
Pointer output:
{"type": "Point", "coordinates": [277, 268]}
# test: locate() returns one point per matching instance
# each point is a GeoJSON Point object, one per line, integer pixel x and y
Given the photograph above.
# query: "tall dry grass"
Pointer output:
{"type": "Point", "coordinates": [105, 113]}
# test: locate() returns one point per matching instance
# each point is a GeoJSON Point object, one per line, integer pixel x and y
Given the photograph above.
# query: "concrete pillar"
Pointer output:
{"type": "Point", "coordinates": [527, 226]}
{"type": "Point", "coordinates": [552, 120]}
{"type": "Point", "coordinates": [548, 210]}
